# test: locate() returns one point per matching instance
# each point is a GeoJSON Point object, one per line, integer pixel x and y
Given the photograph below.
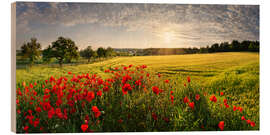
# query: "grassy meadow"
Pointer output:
{"type": "Point", "coordinates": [199, 66]}
{"type": "Point", "coordinates": [236, 74]}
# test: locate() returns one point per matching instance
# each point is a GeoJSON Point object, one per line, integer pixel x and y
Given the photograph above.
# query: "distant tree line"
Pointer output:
{"type": "Point", "coordinates": [234, 46]}
{"type": "Point", "coordinates": [64, 50]}
{"type": "Point", "coordinates": [168, 51]}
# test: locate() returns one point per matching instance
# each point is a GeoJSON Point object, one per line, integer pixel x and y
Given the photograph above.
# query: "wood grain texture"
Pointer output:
{"type": "Point", "coordinates": [13, 67]}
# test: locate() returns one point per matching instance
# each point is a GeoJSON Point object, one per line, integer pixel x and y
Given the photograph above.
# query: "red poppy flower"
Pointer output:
{"type": "Point", "coordinates": [159, 75]}
{"type": "Point", "coordinates": [52, 79]}
{"type": "Point", "coordinates": [59, 113]}
{"type": "Point", "coordinates": [126, 88]}
{"type": "Point", "coordinates": [252, 124]}
{"type": "Point", "coordinates": [120, 121]}
{"type": "Point", "coordinates": [99, 93]}
{"type": "Point", "coordinates": [58, 102]}
{"type": "Point", "coordinates": [188, 79]}
{"type": "Point", "coordinates": [226, 105]}
{"type": "Point", "coordinates": [154, 116]}
{"type": "Point", "coordinates": [213, 98]}
{"type": "Point", "coordinates": [100, 81]}
{"type": "Point", "coordinates": [126, 78]}
{"type": "Point", "coordinates": [166, 81]}
{"type": "Point", "coordinates": [30, 112]}
{"type": "Point", "coordinates": [20, 93]}
{"type": "Point", "coordinates": [186, 100]}
{"type": "Point", "coordinates": [197, 97]}
{"type": "Point", "coordinates": [96, 111]}
{"type": "Point", "coordinates": [248, 121]}
{"type": "Point", "coordinates": [65, 114]}
{"type": "Point", "coordinates": [31, 85]}
{"type": "Point", "coordinates": [51, 112]}
{"type": "Point", "coordinates": [172, 98]}
{"type": "Point", "coordinates": [105, 88]}
{"type": "Point", "coordinates": [202, 126]}
{"type": "Point", "coordinates": [221, 125]}
{"type": "Point", "coordinates": [69, 73]}
{"type": "Point", "coordinates": [90, 96]}
{"type": "Point", "coordinates": [191, 105]}
{"type": "Point", "coordinates": [25, 128]}
{"type": "Point", "coordinates": [225, 100]}
{"type": "Point", "coordinates": [84, 127]}
{"type": "Point", "coordinates": [240, 109]}
{"type": "Point", "coordinates": [36, 122]}
{"type": "Point", "coordinates": [166, 119]}
{"type": "Point", "coordinates": [30, 118]}
{"type": "Point", "coordinates": [97, 114]}
{"type": "Point", "coordinates": [155, 90]}
{"type": "Point", "coordinates": [38, 109]}
{"type": "Point", "coordinates": [144, 66]}
{"type": "Point", "coordinates": [234, 108]}
{"type": "Point", "coordinates": [221, 93]}
{"type": "Point", "coordinates": [243, 118]}
{"type": "Point", "coordinates": [138, 83]}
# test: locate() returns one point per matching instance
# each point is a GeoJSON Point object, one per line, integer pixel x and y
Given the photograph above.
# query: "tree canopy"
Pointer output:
{"type": "Point", "coordinates": [88, 53]}
{"type": "Point", "coordinates": [31, 50]}
{"type": "Point", "coordinates": [62, 49]}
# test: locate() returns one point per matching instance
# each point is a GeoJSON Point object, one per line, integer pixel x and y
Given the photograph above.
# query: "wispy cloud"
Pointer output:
{"type": "Point", "coordinates": [193, 25]}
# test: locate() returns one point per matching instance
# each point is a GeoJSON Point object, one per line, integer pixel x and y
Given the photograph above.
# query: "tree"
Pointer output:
{"type": "Point", "coordinates": [31, 50]}
{"type": "Point", "coordinates": [109, 52]}
{"type": "Point", "coordinates": [244, 45]}
{"type": "Point", "coordinates": [252, 47]}
{"type": "Point", "coordinates": [257, 46]}
{"type": "Point", "coordinates": [72, 52]}
{"type": "Point", "coordinates": [215, 47]}
{"type": "Point", "coordinates": [235, 45]}
{"type": "Point", "coordinates": [88, 53]}
{"type": "Point", "coordinates": [62, 49]}
{"type": "Point", "coordinates": [101, 52]}
{"type": "Point", "coordinates": [226, 46]}
{"type": "Point", "coordinates": [47, 54]}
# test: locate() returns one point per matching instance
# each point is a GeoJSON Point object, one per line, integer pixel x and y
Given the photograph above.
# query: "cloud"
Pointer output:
{"type": "Point", "coordinates": [193, 23]}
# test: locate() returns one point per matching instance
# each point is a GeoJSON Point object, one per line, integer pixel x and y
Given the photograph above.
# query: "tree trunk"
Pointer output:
{"type": "Point", "coordinates": [60, 63]}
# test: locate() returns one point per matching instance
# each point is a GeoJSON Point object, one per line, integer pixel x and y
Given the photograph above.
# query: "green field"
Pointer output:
{"type": "Point", "coordinates": [235, 73]}
{"type": "Point", "coordinates": [201, 66]}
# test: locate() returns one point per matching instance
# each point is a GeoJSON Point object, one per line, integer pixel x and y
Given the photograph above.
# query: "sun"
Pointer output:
{"type": "Point", "coordinates": [168, 37]}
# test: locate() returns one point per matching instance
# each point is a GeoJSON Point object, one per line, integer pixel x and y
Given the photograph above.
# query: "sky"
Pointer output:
{"type": "Point", "coordinates": [124, 25]}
